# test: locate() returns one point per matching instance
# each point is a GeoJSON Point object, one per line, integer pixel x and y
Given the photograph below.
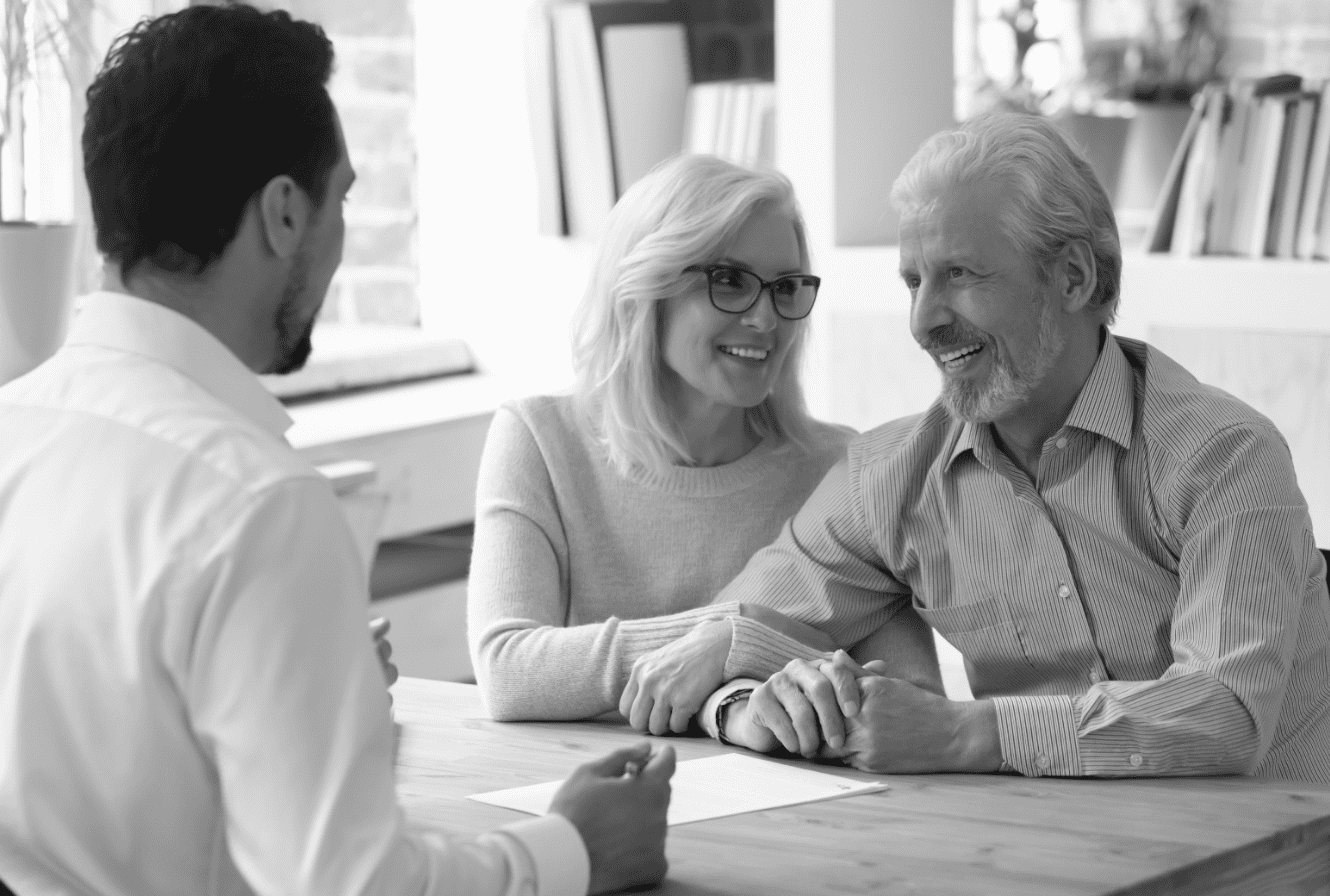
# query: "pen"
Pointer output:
{"type": "Point", "coordinates": [632, 768]}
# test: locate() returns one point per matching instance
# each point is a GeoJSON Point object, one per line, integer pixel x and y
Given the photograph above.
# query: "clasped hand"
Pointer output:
{"type": "Point", "coordinates": [837, 709]}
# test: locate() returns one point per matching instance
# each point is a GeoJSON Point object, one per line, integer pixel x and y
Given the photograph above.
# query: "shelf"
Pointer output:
{"type": "Point", "coordinates": [1229, 293]}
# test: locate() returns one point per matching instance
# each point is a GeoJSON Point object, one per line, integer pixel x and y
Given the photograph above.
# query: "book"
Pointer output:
{"type": "Point", "coordinates": [1289, 181]}
{"type": "Point", "coordinates": [735, 120]}
{"type": "Point", "coordinates": [1160, 233]}
{"type": "Point", "coordinates": [1318, 158]}
{"type": "Point", "coordinates": [543, 119]}
{"type": "Point", "coordinates": [1234, 181]}
{"type": "Point", "coordinates": [1259, 168]}
{"type": "Point", "coordinates": [606, 14]}
{"type": "Point", "coordinates": [1232, 145]}
{"type": "Point", "coordinates": [1254, 179]}
{"type": "Point", "coordinates": [1322, 247]}
{"type": "Point", "coordinates": [1196, 193]}
{"type": "Point", "coordinates": [760, 151]}
{"type": "Point", "coordinates": [725, 119]}
{"type": "Point", "coordinates": [584, 125]}
{"type": "Point", "coordinates": [703, 117]}
{"type": "Point", "coordinates": [740, 122]}
{"type": "Point", "coordinates": [646, 87]}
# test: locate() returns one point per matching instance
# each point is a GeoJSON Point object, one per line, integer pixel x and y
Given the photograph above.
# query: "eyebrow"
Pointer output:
{"type": "Point", "coordinates": [734, 263]}
{"type": "Point", "coordinates": [962, 259]}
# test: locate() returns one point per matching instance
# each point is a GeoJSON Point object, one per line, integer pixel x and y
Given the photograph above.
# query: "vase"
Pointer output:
{"type": "Point", "coordinates": [36, 291]}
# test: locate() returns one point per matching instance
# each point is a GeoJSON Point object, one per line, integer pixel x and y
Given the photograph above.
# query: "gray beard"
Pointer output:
{"type": "Point", "coordinates": [1010, 384]}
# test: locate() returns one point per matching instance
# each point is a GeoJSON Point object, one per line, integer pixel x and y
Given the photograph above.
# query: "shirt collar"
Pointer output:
{"type": "Point", "coordinates": [975, 438]}
{"type": "Point", "coordinates": [124, 323]}
{"type": "Point", "coordinates": [1107, 402]}
{"type": "Point", "coordinates": [1105, 406]}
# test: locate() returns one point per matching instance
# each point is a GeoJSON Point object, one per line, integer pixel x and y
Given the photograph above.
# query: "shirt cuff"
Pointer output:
{"type": "Point", "coordinates": [558, 855]}
{"type": "Point", "coordinates": [759, 652]}
{"type": "Point", "coordinates": [1038, 735]}
{"type": "Point", "coordinates": [706, 716]}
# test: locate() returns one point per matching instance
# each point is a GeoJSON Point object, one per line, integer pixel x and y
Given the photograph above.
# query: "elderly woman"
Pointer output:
{"type": "Point", "coordinates": [608, 519]}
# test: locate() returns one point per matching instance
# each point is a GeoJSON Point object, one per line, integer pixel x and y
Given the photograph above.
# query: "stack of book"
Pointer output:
{"type": "Point", "coordinates": [735, 120]}
{"type": "Point", "coordinates": [1250, 176]}
{"type": "Point", "coordinates": [611, 95]}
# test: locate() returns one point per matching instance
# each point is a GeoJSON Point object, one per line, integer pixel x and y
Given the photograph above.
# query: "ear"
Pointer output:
{"type": "Point", "coordinates": [1075, 276]}
{"type": "Point", "coordinates": [284, 211]}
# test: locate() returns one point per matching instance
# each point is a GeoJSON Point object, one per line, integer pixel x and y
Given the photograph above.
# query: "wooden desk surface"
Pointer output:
{"type": "Point", "coordinates": [926, 834]}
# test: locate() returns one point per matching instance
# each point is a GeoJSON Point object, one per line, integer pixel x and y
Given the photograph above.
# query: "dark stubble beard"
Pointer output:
{"type": "Point", "coordinates": [293, 333]}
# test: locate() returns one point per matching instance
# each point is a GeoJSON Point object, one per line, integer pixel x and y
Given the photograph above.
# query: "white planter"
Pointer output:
{"type": "Point", "coordinates": [36, 289]}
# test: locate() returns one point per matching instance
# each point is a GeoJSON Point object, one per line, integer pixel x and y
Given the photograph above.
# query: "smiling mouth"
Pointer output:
{"type": "Point", "coordinates": [957, 358]}
{"type": "Point", "coordinates": [746, 353]}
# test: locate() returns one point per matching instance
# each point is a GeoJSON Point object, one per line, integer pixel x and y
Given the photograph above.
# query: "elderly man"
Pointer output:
{"type": "Point", "coordinates": [189, 700]}
{"type": "Point", "coordinates": [1121, 553]}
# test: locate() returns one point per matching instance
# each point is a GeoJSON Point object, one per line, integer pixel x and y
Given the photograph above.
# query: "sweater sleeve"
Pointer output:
{"type": "Point", "coordinates": [528, 662]}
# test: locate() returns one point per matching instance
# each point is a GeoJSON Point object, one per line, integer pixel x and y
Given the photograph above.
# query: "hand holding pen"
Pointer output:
{"type": "Point", "coordinates": [618, 805]}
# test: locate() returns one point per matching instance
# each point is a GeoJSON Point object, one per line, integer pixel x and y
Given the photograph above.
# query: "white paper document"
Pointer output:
{"type": "Point", "coordinates": [714, 787]}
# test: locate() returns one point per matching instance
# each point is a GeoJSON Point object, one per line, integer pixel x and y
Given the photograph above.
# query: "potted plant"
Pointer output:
{"type": "Point", "coordinates": [38, 44]}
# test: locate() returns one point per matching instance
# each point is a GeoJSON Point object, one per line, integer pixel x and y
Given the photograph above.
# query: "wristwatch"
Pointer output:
{"type": "Point", "coordinates": [734, 697]}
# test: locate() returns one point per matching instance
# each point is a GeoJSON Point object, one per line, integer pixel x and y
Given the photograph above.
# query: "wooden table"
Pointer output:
{"type": "Point", "coordinates": [927, 834]}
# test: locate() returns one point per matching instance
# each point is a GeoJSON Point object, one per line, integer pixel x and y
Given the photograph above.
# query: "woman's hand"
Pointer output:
{"type": "Point", "coordinates": [669, 684]}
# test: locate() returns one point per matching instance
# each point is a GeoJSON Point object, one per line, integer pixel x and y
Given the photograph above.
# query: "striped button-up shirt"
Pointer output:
{"type": "Point", "coordinates": [1152, 602]}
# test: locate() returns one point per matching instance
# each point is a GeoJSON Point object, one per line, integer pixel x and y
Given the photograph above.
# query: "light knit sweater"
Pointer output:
{"type": "Point", "coordinates": [578, 570]}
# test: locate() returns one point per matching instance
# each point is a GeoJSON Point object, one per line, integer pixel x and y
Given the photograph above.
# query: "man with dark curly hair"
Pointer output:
{"type": "Point", "coordinates": [189, 702]}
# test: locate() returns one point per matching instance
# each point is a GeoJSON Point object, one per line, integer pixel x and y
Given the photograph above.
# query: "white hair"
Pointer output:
{"type": "Point", "coordinates": [1055, 197]}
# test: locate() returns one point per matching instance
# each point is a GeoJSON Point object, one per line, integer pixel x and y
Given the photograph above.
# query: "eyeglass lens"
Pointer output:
{"type": "Point", "coordinates": [736, 290]}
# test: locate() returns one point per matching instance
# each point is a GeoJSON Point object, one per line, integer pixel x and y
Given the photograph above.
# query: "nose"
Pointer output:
{"type": "Point", "coordinates": [762, 316]}
{"type": "Point", "coordinates": [928, 311]}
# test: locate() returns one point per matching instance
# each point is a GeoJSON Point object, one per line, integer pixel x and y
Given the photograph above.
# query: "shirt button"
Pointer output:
{"type": "Point", "coordinates": [1042, 761]}
{"type": "Point", "coordinates": [1061, 442]}
{"type": "Point", "coordinates": [1063, 590]}
{"type": "Point", "coordinates": [1136, 760]}
{"type": "Point", "coordinates": [1095, 676]}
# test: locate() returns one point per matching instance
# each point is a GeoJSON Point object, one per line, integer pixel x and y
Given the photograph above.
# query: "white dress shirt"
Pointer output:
{"type": "Point", "coordinates": [189, 698]}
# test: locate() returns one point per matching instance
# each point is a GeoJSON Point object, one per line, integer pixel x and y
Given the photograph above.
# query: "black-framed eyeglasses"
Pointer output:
{"type": "Point", "coordinates": [735, 290]}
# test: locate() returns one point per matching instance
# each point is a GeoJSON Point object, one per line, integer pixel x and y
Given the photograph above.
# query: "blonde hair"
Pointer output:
{"type": "Point", "coordinates": [687, 211]}
{"type": "Point", "coordinates": [1055, 196]}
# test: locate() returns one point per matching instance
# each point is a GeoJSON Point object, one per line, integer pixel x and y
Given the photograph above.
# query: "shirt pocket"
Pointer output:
{"type": "Point", "coordinates": [986, 635]}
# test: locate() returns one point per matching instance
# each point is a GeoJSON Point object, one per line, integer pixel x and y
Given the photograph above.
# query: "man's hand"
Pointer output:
{"type": "Point", "coordinates": [805, 704]}
{"type": "Point", "coordinates": [618, 805]}
{"type": "Point", "coordinates": [378, 630]}
{"type": "Point", "coordinates": [669, 684]}
{"type": "Point", "coordinates": [904, 729]}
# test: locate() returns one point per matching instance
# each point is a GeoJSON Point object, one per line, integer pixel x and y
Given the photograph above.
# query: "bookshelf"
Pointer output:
{"type": "Point", "coordinates": [1247, 178]}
